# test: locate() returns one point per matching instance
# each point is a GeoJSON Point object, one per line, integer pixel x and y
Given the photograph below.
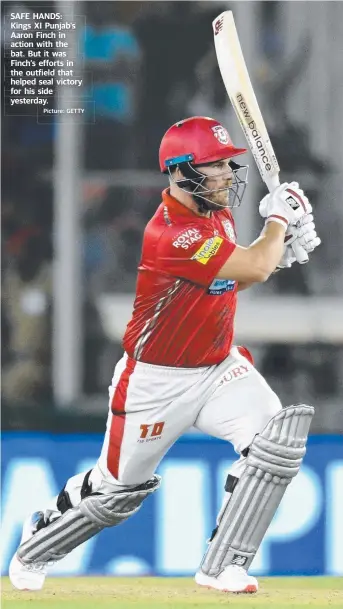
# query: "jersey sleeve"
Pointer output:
{"type": "Point", "coordinates": [192, 255]}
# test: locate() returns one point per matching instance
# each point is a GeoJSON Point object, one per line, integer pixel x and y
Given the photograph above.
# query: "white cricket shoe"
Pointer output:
{"type": "Point", "coordinates": [232, 579]}
{"type": "Point", "coordinates": [28, 576]}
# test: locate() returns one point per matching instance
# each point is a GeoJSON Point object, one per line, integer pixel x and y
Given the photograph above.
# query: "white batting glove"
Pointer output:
{"type": "Point", "coordinates": [304, 233]}
{"type": "Point", "coordinates": [287, 259]}
{"type": "Point", "coordinates": [300, 241]}
{"type": "Point", "coordinates": [286, 205]}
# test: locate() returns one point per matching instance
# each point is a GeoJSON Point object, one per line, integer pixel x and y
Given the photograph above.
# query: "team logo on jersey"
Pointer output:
{"type": "Point", "coordinates": [229, 230]}
{"type": "Point", "coordinates": [221, 134]}
{"type": "Point", "coordinates": [186, 238]}
{"type": "Point", "coordinates": [207, 250]}
{"type": "Point", "coordinates": [220, 286]}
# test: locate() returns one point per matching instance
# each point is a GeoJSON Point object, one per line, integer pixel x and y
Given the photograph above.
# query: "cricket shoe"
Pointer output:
{"type": "Point", "coordinates": [232, 579]}
{"type": "Point", "coordinates": [29, 576]}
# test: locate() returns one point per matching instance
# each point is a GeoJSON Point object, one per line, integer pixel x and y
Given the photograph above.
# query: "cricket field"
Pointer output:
{"type": "Point", "coordinates": [174, 593]}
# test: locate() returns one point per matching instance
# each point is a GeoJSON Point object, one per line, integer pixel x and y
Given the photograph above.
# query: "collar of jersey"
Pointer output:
{"type": "Point", "coordinates": [175, 206]}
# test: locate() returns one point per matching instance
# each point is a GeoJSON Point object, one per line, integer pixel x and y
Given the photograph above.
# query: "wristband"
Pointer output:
{"type": "Point", "coordinates": [279, 219]}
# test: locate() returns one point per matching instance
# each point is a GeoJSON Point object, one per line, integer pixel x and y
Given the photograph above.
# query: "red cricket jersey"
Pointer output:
{"type": "Point", "coordinates": [183, 315]}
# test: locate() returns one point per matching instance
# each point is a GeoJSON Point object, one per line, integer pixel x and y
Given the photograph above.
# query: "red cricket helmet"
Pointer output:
{"type": "Point", "coordinates": [197, 140]}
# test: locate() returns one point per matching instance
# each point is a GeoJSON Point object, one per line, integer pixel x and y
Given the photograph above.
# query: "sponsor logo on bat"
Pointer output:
{"type": "Point", "coordinates": [254, 133]}
{"type": "Point", "coordinates": [218, 26]}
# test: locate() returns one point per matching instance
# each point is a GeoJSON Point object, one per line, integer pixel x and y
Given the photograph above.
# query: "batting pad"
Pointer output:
{"type": "Point", "coordinates": [82, 522]}
{"type": "Point", "coordinates": [274, 458]}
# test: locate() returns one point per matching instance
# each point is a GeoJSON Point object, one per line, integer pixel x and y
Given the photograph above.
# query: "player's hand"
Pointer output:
{"type": "Point", "coordinates": [286, 205]}
{"type": "Point", "coordinates": [300, 240]}
{"type": "Point", "coordinates": [288, 258]}
{"type": "Point", "coordinates": [304, 233]}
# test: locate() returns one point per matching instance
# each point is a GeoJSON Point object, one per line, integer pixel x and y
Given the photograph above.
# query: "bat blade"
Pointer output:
{"type": "Point", "coordinates": [241, 93]}
{"type": "Point", "coordinates": [243, 99]}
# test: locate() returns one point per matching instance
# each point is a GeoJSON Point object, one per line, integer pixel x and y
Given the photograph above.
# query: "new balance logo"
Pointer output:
{"type": "Point", "coordinates": [239, 560]}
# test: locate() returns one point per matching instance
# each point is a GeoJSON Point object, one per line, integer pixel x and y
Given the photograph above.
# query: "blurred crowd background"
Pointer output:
{"type": "Point", "coordinates": [149, 64]}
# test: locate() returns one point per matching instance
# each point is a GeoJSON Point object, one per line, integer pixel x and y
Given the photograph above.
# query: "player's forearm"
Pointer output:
{"type": "Point", "coordinates": [268, 248]}
{"type": "Point", "coordinates": [254, 264]}
{"type": "Point", "coordinates": [244, 285]}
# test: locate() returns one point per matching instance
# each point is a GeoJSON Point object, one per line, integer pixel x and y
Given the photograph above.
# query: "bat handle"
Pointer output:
{"type": "Point", "coordinates": [301, 255]}
{"type": "Point", "coordinates": [272, 182]}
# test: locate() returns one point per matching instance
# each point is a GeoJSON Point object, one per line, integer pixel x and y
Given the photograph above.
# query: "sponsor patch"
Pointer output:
{"type": "Point", "coordinates": [235, 372]}
{"type": "Point", "coordinates": [207, 250]}
{"type": "Point", "coordinates": [151, 432]}
{"type": "Point", "coordinates": [230, 232]}
{"type": "Point", "coordinates": [220, 286]}
{"type": "Point", "coordinates": [166, 216]}
{"type": "Point", "coordinates": [187, 238]}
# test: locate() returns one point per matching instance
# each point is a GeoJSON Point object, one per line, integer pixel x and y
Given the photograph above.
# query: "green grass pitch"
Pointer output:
{"type": "Point", "coordinates": [174, 593]}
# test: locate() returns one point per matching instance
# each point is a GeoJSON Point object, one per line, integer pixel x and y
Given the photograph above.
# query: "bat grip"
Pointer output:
{"type": "Point", "coordinates": [272, 182]}
{"type": "Point", "coordinates": [300, 253]}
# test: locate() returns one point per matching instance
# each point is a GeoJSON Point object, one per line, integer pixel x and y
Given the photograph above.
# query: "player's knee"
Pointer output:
{"type": "Point", "coordinates": [103, 481]}
{"type": "Point", "coordinates": [271, 407]}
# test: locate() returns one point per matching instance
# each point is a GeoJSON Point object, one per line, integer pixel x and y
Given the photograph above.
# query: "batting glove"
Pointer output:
{"type": "Point", "coordinates": [300, 241]}
{"type": "Point", "coordinates": [304, 233]}
{"type": "Point", "coordinates": [286, 205]}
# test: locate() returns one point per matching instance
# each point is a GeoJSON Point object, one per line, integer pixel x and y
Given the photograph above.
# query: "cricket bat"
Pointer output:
{"type": "Point", "coordinates": [241, 93]}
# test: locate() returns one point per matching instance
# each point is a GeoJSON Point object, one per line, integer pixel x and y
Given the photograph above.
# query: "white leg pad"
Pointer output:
{"type": "Point", "coordinates": [274, 458]}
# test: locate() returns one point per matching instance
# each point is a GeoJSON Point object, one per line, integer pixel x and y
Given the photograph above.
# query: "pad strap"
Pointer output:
{"type": "Point", "coordinates": [94, 513]}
